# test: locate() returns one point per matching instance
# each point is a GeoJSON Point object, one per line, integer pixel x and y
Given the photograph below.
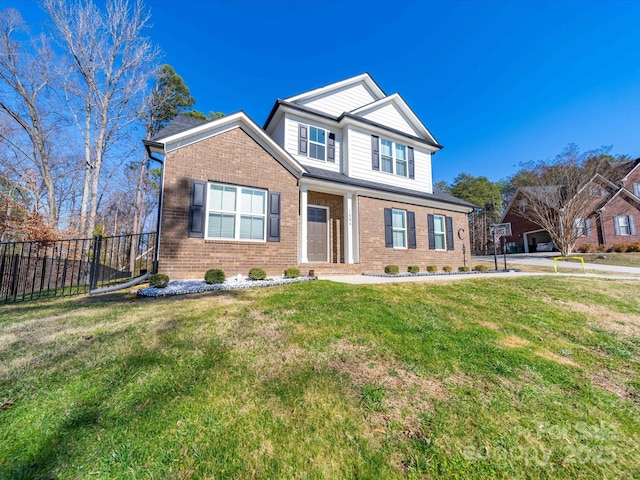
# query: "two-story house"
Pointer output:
{"type": "Point", "coordinates": [339, 180]}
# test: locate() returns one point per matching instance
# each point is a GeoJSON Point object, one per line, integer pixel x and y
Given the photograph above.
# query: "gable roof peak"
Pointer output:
{"type": "Point", "coordinates": [364, 78]}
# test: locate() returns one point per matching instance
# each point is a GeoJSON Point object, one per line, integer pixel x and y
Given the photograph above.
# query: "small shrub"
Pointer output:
{"type": "Point", "coordinates": [602, 248]}
{"type": "Point", "coordinates": [619, 247]}
{"type": "Point", "coordinates": [432, 268]}
{"type": "Point", "coordinates": [447, 268]}
{"type": "Point", "coordinates": [214, 276]}
{"type": "Point", "coordinates": [257, 274]}
{"type": "Point", "coordinates": [464, 269]}
{"type": "Point", "coordinates": [633, 247]}
{"type": "Point", "coordinates": [292, 273]}
{"type": "Point", "coordinates": [413, 269]}
{"type": "Point", "coordinates": [480, 268]}
{"type": "Point", "coordinates": [392, 269]}
{"type": "Point", "coordinates": [587, 248]}
{"type": "Point", "coordinates": [158, 280]}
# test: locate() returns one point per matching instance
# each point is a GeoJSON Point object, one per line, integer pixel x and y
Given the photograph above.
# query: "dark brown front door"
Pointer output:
{"type": "Point", "coordinates": [317, 234]}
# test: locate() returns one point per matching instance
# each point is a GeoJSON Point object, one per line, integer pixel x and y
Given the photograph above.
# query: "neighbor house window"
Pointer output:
{"type": "Point", "coordinates": [236, 213]}
{"type": "Point", "coordinates": [636, 189]}
{"type": "Point", "coordinates": [439, 232]}
{"type": "Point", "coordinates": [393, 157]}
{"type": "Point", "coordinates": [624, 225]}
{"type": "Point", "coordinates": [317, 142]}
{"type": "Point", "coordinates": [582, 227]}
{"type": "Point", "coordinates": [399, 225]}
{"type": "Point", "coordinates": [523, 206]}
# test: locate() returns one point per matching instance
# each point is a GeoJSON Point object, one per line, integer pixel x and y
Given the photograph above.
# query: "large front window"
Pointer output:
{"type": "Point", "coordinates": [622, 225]}
{"type": "Point", "coordinates": [393, 157]}
{"type": "Point", "coordinates": [236, 213]}
{"type": "Point", "coordinates": [317, 142]}
{"type": "Point", "coordinates": [399, 225]}
{"type": "Point", "coordinates": [439, 232]}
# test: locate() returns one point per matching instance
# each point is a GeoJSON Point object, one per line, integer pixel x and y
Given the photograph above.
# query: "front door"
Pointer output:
{"type": "Point", "coordinates": [317, 234]}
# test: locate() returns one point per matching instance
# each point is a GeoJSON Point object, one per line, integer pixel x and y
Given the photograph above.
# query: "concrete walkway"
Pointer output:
{"type": "Point", "coordinates": [611, 272]}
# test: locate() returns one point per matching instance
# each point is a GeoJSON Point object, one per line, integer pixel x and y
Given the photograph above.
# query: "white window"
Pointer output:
{"type": "Point", "coordinates": [317, 142]}
{"type": "Point", "coordinates": [236, 213]}
{"type": "Point", "coordinates": [393, 157]}
{"type": "Point", "coordinates": [386, 155]}
{"type": "Point", "coordinates": [623, 225]}
{"type": "Point", "coordinates": [523, 206]}
{"type": "Point", "coordinates": [636, 189]}
{"type": "Point", "coordinates": [399, 226]}
{"type": "Point", "coordinates": [581, 226]}
{"type": "Point", "coordinates": [439, 232]}
{"type": "Point", "coordinates": [595, 191]}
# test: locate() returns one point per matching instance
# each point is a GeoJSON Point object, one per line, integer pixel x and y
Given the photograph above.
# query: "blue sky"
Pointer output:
{"type": "Point", "coordinates": [496, 82]}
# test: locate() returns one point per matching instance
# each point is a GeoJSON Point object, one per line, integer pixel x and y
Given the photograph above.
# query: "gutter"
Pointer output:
{"type": "Point", "coordinates": [148, 145]}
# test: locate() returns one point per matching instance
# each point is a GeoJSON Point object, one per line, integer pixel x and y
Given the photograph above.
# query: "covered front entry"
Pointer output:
{"type": "Point", "coordinates": [317, 234]}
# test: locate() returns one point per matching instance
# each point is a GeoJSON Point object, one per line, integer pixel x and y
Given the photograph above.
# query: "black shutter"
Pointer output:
{"type": "Point", "coordinates": [273, 220]}
{"type": "Point", "coordinates": [388, 228]}
{"type": "Point", "coordinates": [196, 208]}
{"type": "Point", "coordinates": [412, 163]}
{"type": "Point", "coordinates": [375, 152]}
{"type": "Point", "coordinates": [449, 222]}
{"type": "Point", "coordinates": [331, 148]}
{"type": "Point", "coordinates": [302, 139]}
{"type": "Point", "coordinates": [411, 222]}
{"type": "Point", "coordinates": [432, 235]}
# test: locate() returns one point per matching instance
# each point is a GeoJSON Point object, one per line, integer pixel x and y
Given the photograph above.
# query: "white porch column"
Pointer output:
{"type": "Point", "coordinates": [348, 228]}
{"type": "Point", "coordinates": [303, 225]}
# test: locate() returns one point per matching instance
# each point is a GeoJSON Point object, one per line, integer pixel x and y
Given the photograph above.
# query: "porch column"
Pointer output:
{"type": "Point", "coordinates": [303, 225]}
{"type": "Point", "coordinates": [348, 228]}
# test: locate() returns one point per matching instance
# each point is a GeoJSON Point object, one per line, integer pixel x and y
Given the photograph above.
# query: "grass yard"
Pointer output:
{"type": "Point", "coordinates": [534, 378]}
{"type": "Point", "coordinates": [619, 259]}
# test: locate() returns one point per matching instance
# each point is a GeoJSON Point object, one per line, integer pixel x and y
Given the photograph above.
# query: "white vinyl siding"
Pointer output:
{"type": "Point", "coordinates": [439, 232]}
{"type": "Point", "coordinates": [399, 226]}
{"type": "Point", "coordinates": [360, 163]}
{"type": "Point", "coordinates": [291, 142]}
{"type": "Point", "coordinates": [389, 116]}
{"type": "Point", "coordinates": [236, 213]}
{"type": "Point", "coordinates": [340, 101]}
{"type": "Point", "coordinates": [278, 133]}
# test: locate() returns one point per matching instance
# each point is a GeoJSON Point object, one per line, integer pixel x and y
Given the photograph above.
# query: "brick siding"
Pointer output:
{"type": "Point", "coordinates": [231, 157]}
{"type": "Point", "coordinates": [374, 255]}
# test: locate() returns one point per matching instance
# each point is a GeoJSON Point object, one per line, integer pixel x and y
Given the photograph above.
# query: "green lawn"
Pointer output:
{"type": "Point", "coordinates": [530, 378]}
{"type": "Point", "coordinates": [620, 259]}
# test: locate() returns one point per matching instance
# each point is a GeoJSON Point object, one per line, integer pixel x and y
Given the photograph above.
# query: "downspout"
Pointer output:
{"type": "Point", "coordinates": [160, 199]}
{"type": "Point", "coordinates": [600, 215]}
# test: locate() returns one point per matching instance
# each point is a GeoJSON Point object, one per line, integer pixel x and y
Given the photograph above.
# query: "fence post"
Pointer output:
{"type": "Point", "coordinates": [95, 262]}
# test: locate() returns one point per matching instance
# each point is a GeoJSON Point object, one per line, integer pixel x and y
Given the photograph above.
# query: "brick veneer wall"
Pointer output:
{"type": "Point", "coordinates": [336, 222]}
{"type": "Point", "coordinates": [374, 255]}
{"type": "Point", "coordinates": [231, 157]}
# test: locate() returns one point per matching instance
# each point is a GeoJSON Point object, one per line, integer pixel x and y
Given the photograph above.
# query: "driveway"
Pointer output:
{"type": "Point", "coordinates": [542, 259]}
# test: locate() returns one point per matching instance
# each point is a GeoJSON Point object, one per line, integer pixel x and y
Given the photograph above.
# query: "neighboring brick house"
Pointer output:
{"type": "Point", "coordinates": [610, 218]}
{"type": "Point", "coordinates": [338, 181]}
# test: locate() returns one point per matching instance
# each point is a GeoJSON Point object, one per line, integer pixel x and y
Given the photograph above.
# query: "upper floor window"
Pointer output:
{"type": "Point", "coordinates": [393, 157]}
{"type": "Point", "coordinates": [317, 142]}
{"type": "Point", "coordinates": [523, 206]}
{"type": "Point", "coordinates": [236, 213]}
{"type": "Point", "coordinates": [636, 189]}
{"type": "Point", "coordinates": [595, 191]}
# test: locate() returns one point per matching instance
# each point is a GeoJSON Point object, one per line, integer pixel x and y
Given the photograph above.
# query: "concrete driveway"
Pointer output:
{"type": "Point", "coordinates": [543, 259]}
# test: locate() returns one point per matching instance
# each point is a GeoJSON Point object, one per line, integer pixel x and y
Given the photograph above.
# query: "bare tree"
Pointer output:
{"type": "Point", "coordinates": [112, 62]}
{"type": "Point", "coordinates": [557, 197]}
{"type": "Point", "coordinates": [26, 82]}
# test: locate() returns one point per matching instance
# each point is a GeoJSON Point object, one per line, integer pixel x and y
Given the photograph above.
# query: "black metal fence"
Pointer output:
{"type": "Point", "coordinates": [31, 270]}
